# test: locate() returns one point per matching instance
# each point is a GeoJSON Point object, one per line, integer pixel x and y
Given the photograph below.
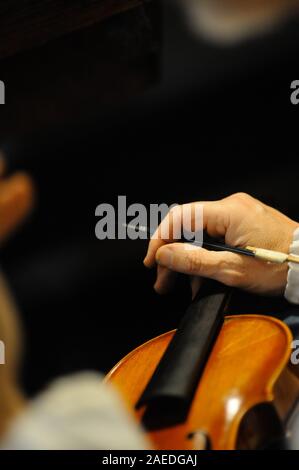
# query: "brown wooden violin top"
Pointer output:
{"type": "Point", "coordinates": [245, 368]}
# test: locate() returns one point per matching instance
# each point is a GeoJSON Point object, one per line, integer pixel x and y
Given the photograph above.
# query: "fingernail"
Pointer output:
{"type": "Point", "coordinates": [156, 286]}
{"type": "Point", "coordinates": [164, 257]}
{"type": "Point", "coordinates": [146, 262]}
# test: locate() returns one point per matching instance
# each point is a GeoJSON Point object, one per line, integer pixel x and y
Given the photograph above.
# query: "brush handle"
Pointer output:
{"type": "Point", "coordinates": [222, 247]}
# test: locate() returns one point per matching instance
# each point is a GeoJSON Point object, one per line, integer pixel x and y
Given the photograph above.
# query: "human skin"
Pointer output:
{"type": "Point", "coordinates": [241, 220]}
{"type": "Point", "coordinates": [250, 6]}
{"type": "Point", "coordinates": [229, 21]}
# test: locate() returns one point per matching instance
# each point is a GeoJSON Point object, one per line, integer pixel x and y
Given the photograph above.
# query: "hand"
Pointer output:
{"type": "Point", "coordinates": [241, 220]}
{"type": "Point", "coordinates": [16, 200]}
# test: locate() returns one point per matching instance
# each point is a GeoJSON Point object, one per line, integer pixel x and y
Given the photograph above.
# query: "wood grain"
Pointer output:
{"type": "Point", "coordinates": [243, 370]}
{"type": "Point", "coordinates": [27, 23]}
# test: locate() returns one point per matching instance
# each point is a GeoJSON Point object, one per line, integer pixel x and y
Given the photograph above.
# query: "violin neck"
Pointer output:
{"type": "Point", "coordinates": [179, 370]}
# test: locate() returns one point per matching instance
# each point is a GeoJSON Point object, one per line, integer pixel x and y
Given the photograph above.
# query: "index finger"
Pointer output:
{"type": "Point", "coordinates": [214, 220]}
{"type": "Point", "coordinates": [165, 233]}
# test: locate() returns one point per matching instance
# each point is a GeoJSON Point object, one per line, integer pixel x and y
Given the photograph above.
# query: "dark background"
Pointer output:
{"type": "Point", "coordinates": [135, 106]}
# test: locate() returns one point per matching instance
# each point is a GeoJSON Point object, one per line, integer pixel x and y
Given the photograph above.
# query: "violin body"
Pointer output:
{"type": "Point", "coordinates": [244, 393]}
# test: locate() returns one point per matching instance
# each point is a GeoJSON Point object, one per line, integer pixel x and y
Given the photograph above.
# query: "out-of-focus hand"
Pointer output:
{"type": "Point", "coordinates": [227, 21]}
{"type": "Point", "coordinates": [241, 220]}
{"type": "Point", "coordinates": [16, 200]}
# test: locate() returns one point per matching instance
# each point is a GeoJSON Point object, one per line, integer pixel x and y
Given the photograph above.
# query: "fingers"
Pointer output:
{"type": "Point", "coordinates": [228, 268]}
{"type": "Point", "coordinates": [165, 233]}
{"type": "Point", "coordinates": [215, 219]}
{"type": "Point", "coordinates": [165, 280]}
{"type": "Point", "coordinates": [241, 220]}
{"type": "Point", "coordinates": [16, 200]}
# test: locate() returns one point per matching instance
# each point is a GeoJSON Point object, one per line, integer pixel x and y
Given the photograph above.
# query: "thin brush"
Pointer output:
{"type": "Point", "coordinates": [258, 253]}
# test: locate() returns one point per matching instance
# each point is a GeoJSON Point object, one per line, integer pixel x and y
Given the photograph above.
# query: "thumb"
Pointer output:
{"type": "Point", "coordinates": [226, 267]}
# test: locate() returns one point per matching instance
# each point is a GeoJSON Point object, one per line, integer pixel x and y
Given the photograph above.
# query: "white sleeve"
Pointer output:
{"type": "Point", "coordinates": [292, 287]}
{"type": "Point", "coordinates": [79, 412]}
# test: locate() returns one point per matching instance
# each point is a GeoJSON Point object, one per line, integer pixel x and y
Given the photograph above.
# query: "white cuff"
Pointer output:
{"type": "Point", "coordinates": [292, 288]}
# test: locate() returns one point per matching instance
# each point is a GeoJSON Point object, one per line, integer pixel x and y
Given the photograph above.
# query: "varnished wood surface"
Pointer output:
{"type": "Point", "coordinates": [244, 367]}
{"type": "Point", "coordinates": [28, 23]}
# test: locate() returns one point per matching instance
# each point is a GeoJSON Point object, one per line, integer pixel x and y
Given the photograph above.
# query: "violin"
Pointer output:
{"type": "Point", "coordinates": [217, 382]}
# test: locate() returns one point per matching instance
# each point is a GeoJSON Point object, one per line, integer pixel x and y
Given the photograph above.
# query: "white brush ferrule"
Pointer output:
{"type": "Point", "coordinates": [271, 256]}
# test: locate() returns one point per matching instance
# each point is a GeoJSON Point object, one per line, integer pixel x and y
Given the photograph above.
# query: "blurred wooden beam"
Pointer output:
{"type": "Point", "coordinates": [28, 23]}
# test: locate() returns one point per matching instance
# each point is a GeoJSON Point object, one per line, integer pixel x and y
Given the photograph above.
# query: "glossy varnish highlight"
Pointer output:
{"type": "Point", "coordinates": [244, 369]}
